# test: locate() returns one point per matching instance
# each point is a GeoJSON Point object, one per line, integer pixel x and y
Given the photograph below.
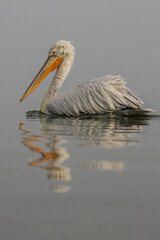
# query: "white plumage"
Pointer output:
{"type": "Point", "coordinates": [108, 93]}
{"type": "Point", "coordinates": [97, 96]}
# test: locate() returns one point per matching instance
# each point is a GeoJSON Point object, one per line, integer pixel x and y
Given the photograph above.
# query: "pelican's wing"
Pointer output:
{"type": "Point", "coordinates": [97, 96]}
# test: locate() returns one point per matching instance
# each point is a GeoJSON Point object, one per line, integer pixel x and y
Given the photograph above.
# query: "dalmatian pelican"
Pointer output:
{"type": "Point", "coordinates": [101, 95]}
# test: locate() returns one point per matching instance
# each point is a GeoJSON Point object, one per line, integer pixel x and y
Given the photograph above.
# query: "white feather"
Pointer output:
{"type": "Point", "coordinates": [97, 96]}
{"type": "Point", "coordinates": [101, 95]}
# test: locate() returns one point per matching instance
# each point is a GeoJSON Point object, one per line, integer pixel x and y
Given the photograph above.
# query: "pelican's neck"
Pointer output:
{"type": "Point", "coordinates": [57, 81]}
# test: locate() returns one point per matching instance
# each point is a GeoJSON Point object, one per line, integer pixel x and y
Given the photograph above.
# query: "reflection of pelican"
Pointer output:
{"type": "Point", "coordinates": [50, 160]}
{"type": "Point", "coordinates": [101, 130]}
{"type": "Point", "coordinates": [103, 165]}
{"type": "Point", "coordinates": [101, 95]}
{"type": "Point", "coordinates": [97, 130]}
{"type": "Point", "coordinates": [60, 188]}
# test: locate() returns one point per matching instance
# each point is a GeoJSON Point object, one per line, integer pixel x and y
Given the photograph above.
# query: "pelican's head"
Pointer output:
{"type": "Point", "coordinates": [60, 51]}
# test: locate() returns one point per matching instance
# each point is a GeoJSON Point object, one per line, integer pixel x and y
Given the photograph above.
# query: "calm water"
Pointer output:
{"type": "Point", "coordinates": [80, 178]}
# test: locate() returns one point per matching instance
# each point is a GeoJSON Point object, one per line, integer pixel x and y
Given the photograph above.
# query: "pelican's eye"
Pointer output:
{"type": "Point", "coordinates": [54, 53]}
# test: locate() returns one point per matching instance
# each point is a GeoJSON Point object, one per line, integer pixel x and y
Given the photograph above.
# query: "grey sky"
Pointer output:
{"type": "Point", "coordinates": [110, 37]}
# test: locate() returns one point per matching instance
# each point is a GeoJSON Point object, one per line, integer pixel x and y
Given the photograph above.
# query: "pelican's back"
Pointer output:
{"type": "Point", "coordinates": [97, 96]}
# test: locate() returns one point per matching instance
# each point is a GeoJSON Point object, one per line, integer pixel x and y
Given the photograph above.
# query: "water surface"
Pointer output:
{"type": "Point", "coordinates": [83, 178]}
{"type": "Point", "coordinates": [80, 178]}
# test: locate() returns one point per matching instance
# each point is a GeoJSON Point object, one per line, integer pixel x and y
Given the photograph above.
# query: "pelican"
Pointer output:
{"type": "Point", "coordinates": [101, 95]}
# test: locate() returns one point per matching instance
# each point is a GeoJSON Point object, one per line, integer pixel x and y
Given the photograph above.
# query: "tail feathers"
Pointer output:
{"type": "Point", "coordinates": [148, 110]}
{"type": "Point", "coordinates": [116, 85]}
{"type": "Point", "coordinates": [134, 112]}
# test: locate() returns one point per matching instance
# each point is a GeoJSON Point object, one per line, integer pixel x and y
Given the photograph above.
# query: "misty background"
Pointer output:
{"type": "Point", "coordinates": [112, 165]}
{"type": "Point", "coordinates": [110, 37]}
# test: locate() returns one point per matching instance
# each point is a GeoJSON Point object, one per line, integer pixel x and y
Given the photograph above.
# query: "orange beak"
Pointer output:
{"type": "Point", "coordinates": [51, 64]}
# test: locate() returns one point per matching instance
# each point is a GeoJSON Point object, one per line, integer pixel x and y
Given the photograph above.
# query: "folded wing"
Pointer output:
{"type": "Point", "coordinates": [101, 95]}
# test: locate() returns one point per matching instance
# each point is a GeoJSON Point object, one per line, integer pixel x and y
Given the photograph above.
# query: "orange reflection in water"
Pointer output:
{"type": "Point", "coordinates": [49, 160]}
{"type": "Point", "coordinates": [46, 156]}
{"type": "Point", "coordinates": [103, 131]}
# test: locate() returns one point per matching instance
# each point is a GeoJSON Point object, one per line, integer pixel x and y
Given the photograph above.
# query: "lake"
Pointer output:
{"type": "Point", "coordinates": [89, 177]}
{"type": "Point", "coordinates": [80, 178]}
